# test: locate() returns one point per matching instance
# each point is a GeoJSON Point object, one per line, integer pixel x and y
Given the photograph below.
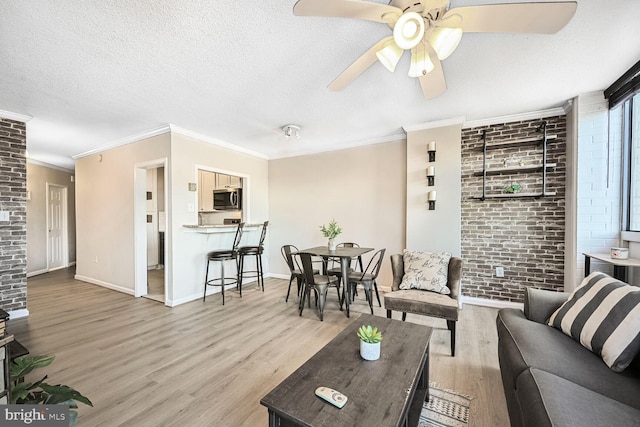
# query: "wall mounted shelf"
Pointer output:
{"type": "Point", "coordinates": [514, 170]}
{"type": "Point", "coordinates": [541, 168]}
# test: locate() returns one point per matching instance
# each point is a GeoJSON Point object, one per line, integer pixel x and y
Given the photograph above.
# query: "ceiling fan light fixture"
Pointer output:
{"type": "Point", "coordinates": [445, 40]}
{"type": "Point", "coordinates": [409, 30]}
{"type": "Point", "coordinates": [421, 63]}
{"type": "Point", "coordinates": [389, 56]}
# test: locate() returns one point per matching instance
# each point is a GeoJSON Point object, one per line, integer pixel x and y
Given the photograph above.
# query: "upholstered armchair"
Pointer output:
{"type": "Point", "coordinates": [426, 303]}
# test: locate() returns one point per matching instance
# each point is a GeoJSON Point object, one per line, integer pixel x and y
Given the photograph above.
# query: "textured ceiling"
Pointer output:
{"type": "Point", "coordinates": [94, 72]}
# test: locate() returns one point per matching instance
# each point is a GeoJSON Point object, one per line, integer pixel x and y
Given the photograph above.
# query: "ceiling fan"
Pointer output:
{"type": "Point", "coordinates": [432, 31]}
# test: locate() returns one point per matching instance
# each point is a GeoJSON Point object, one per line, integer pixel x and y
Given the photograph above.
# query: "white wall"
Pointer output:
{"type": "Point", "coordinates": [599, 177]}
{"type": "Point", "coordinates": [439, 229]}
{"type": "Point", "coordinates": [188, 249]}
{"type": "Point", "coordinates": [105, 212]}
{"type": "Point", "coordinates": [37, 178]}
{"type": "Point", "coordinates": [361, 188]}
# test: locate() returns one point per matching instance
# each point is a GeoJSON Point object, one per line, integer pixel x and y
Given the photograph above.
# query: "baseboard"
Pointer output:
{"type": "Point", "coordinates": [37, 273]}
{"type": "Point", "coordinates": [490, 303]}
{"type": "Point", "coordinates": [16, 314]}
{"type": "Point", "coordinates": [278, 276]}
{"type": "Point", "coordinates": [104, 284]}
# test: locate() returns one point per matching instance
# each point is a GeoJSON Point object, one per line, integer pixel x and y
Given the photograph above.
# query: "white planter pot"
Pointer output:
{"type": "Point", "coordinates": [369, 351]}
{"type": "Point", "coordinates": [332, 245]}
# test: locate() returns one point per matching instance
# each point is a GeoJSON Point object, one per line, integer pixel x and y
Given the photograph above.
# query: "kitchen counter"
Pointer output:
{"type": "Point", "coordinates": [216, 228]}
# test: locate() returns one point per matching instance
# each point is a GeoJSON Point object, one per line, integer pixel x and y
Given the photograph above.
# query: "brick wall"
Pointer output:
{"type": "Point", "coordinates": [13, 234]}
{"type": "Point", "coordinates": [525, 236]}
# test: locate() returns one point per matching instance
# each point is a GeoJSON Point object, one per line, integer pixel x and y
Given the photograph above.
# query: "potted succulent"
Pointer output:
{"type": "Point", "coordinates": [370, 338]}
{"type": "Point", "coordinates": [331, 232]}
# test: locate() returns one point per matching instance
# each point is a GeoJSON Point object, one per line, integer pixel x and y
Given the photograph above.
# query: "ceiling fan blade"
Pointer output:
{"type": "Point", "coordinates": [345, 9]}
{"type": "Point", "coordinates": [433, 83]}
{"type": "Point", "coordinates": [542, 18]}
{"type": "Point", "coordinates": [359, 66]}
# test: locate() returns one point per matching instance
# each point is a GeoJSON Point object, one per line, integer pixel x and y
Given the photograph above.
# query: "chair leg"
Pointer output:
{"type": "Point", "coordinates": [222, 272]}
{"type": "Point", "coordinates": [369, 298]}
{"type": "Point", "coordinates": [260, 273]}
{"type": "Point", "coordinates": [301, 302]}
{"type": "Point", "coordinates": [375, 286]}
{"type": "Point", "coordinates": [404, 316]}
{"type": "Point", "coordinates": [289, 289]}
{"type": "Point", "coordinates": [322, 296]}
{"type": "Point", "coordinates": [451, 325]}
{"type": "Point", "coordinates": [206, 278]}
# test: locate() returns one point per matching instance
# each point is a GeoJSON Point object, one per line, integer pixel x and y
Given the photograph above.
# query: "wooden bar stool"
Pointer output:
{"type": "Point", "coordinates": [256, 251]}
{"type": "Point", "coordinates": [222, 256]}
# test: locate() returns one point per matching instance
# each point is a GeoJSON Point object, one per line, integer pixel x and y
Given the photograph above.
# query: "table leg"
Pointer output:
{"type": "Point", "coordinates": [587, 265]}
{"type": "Point", "coordinates": [620, 273]}
{"type": "Point", "coordinates": [274, 419]}
{"type": "Point", "coordinates": [344, 267]}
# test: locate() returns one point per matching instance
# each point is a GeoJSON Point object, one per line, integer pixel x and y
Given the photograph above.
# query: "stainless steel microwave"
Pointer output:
{"type": "Point", "coordinates": [227, 199]}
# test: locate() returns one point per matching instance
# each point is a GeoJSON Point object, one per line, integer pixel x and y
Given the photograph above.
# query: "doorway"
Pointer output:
{"type": "Point", "coordinates": [57, 238]}
{"type": "Point", "coordinates": [151, 278]}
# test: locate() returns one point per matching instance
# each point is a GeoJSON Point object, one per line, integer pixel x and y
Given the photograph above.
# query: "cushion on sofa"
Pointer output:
{"type": "Point", "coordinates": [525, 344]}
{"type": "Point", "coordinates": [426, 271]}
{"type": "Point", "coordinates": [545, 397]}
{"type": "Point", "coordinates": [603, 314]}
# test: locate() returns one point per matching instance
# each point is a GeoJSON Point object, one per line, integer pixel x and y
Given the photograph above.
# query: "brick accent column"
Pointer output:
{"type": "Point", "coordinates": [13, 233]}
{"type": "Point", "coordinates": [525, 236]}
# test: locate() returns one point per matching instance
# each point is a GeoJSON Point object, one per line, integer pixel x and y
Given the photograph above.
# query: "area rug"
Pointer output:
{"type": "Point", "coordinates": [445, 408]}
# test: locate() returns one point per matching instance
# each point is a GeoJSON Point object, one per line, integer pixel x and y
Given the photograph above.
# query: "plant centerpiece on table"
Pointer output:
{"type": "Point", "coordinates": [370, 338]}
{"type": "Point", "coordinates": [331, 232]}
{"type": "Point", "coordinates": [41, 393]}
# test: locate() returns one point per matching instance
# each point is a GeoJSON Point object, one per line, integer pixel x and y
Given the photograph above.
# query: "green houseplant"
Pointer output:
{"type": "Point", "coordinates": [331, 232]}
{"type": "Point", "coordinates": [370, 338]}
{"type": "Point", "coordinates": [24, 392]}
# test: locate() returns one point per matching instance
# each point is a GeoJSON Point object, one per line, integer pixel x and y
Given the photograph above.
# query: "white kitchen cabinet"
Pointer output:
{"type": "Point", "coordinates": [206, 185]}
{"type": "Point", "coordinates": [228, 181]}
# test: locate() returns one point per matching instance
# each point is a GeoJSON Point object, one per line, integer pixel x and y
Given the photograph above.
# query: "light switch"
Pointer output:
{"type": "Point", "coordinates": [4, 216]}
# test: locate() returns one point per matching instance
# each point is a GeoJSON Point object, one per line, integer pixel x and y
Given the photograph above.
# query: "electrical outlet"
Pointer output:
{"type": "Point", "coordinates": [4, 216]}
{"type": "Point", "coordinates": [499, 271]}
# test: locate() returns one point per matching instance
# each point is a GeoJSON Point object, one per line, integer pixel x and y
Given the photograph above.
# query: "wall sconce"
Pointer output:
{"type": "Point", "coordinates": [432, 151]}
{"type": "Point", "coordinates": [432, 200]}
{"type": "Point", "coordinates": [431, 175]}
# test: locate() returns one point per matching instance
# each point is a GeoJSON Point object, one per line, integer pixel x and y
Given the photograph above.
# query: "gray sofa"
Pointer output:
{"type": "Point", "coordinates": [549, 379]}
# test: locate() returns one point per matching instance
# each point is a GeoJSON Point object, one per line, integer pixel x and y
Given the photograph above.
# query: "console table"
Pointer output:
{"type": "Point", "coordinates": [385, 392]}
{"type": "Point", "coordinates": [620, 266]}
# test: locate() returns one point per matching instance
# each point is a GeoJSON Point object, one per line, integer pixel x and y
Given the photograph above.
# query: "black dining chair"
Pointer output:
{"type": "Point", "coordinates": [336, 270]}
{"type": "Point", "coordinates": [367, 278]}
{"type": "Point", "coordinates": [319, 283]}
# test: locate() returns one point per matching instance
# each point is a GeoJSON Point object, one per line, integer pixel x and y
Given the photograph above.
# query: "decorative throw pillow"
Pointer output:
{"type": "Point", "coordinates": [426, 270]}
{"type": "Point", "coordinates": [603, 314]}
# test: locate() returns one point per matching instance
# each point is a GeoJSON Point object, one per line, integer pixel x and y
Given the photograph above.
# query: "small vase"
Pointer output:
{"type": "Point", "coordinates": [332, 245]}
{"type": "Point", "coordinates": [369, 351]}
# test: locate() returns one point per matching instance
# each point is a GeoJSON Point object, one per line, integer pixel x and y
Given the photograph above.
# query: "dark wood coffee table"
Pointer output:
{"type": "Point", "coordinates": [386, 392]}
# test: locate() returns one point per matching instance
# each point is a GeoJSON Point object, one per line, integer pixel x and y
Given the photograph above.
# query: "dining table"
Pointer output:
{"type": "Point", "coordinates": [345, 254]}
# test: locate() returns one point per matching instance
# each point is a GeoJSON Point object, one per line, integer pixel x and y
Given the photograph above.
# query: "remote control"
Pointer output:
{"type": "Point", "coordinates": [330, 395]}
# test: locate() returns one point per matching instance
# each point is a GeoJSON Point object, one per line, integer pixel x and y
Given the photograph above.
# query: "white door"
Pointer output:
{"type": "Point", "coordinates": [57, 219]}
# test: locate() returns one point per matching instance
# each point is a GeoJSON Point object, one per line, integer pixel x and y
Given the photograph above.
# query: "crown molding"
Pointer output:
{"type": "Point", "coordinates": [15, 116]}
{"type": "Point", "coordinates": [355, 144]}
{"type": "Point", "coordinates": [435, 124]}
{"type": "Point", "coordinates": [49, 165]}
{"type": "Point", "coordinates": [217, 142]}
{"type": "Point", "coordinates": [124, 141]}
{"type": "Point", "coordinates": [532, 115]}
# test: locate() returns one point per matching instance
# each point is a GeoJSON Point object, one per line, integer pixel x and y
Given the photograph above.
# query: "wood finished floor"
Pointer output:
{"type": "Point", "coordinates": [202, 364]}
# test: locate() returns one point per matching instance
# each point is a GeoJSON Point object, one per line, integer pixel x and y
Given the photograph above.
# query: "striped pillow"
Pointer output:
{"type": "Point", "coordinates": [603, 314]}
